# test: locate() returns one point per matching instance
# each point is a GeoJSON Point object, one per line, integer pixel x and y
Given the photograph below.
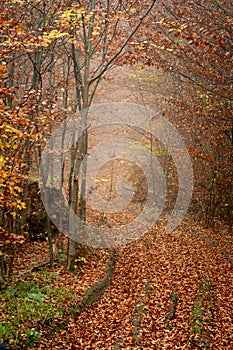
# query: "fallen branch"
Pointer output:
{"type": "Point", "coordinates": [140, 309]}
{"type": "Point", "coordinates": [174, 300]}
{"type": "Point", "coordinates": [96, 291]}
{"type": "Point", "coordinates": [33, 269]}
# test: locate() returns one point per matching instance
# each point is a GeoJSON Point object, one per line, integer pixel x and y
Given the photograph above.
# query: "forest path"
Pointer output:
{"type": "Point", "coordinates": [168, 291]}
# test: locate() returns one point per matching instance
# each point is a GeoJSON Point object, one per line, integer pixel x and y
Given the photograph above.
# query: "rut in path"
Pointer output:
{"type": "Point", "coordinates": [135, 310]}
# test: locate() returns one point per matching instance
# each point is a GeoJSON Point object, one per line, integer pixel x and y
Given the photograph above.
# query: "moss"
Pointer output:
{"type": "Point", "coordinates": [200, 336]}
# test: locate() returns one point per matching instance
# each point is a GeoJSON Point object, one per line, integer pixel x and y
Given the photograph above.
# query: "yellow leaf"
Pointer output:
{"type": "Point", "coordinates": [1, 161]}
{"type": "Point", "coordinates": [105, 180]}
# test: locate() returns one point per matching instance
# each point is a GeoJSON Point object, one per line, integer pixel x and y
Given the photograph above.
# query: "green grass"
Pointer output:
{"type": "Point", "coordinates": [30, 305]}
{"type": "Point", "coordinates": [197, 315]}
{"type": "Point", "coordinates": [201, 316]}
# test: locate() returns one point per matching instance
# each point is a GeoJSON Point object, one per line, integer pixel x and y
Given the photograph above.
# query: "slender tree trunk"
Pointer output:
{"type": "Point", "coordinates": [50, 241]}
{"type": "Point", "coordinates": [84, 97]}
{"type": "Point", "coordinates": [77, 201]}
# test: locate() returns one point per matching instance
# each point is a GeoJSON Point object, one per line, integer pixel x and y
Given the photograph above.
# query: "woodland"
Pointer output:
{"type": "Point", "coordinates": [59, 59]}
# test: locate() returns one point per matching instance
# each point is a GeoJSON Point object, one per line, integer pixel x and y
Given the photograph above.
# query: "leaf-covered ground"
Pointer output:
{"type": "Point", "coordinates": [133, 312]}
{"type": "Point", "coordinates": [168, 291]}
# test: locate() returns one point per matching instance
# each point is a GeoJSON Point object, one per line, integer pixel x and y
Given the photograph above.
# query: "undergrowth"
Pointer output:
{"type": "Point", "coordinates": [31, 307]}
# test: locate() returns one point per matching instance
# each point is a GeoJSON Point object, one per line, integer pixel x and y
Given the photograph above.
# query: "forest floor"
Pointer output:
{"type": "Point", "coordinates": [167, 291]}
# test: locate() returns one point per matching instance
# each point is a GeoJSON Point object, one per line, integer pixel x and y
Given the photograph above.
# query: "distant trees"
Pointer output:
{"type": "Point", "coordinates": [193, 41]}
